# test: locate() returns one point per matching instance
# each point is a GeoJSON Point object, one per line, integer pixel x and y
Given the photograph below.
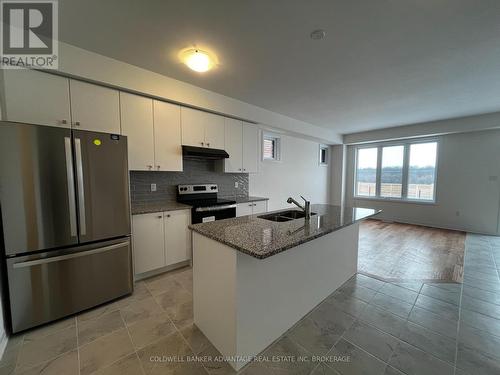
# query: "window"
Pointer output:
{"type": "Point", "coordinates": [271, 147]}
{"type": "Point", "coordinates": [405, 171]}
{"type": "Point", "coordinates": [422, 171]}
{"type": "Point", "coordinates": [366, 172]}
{"type": "Point", "coordinates": [323, 155]}
{"type": "Point", "coordinates": [391, 175]}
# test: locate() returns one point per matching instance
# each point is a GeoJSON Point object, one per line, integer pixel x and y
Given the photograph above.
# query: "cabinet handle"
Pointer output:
{"type": "Point", "coordinates": [244, 169]}
{"type": "Point", "coordinates": [64, 122]}
{"type": "Point", "coordinates": [158, 167]}
{"type": "Point", "coordinates": [150, 167]}
{"type": "Point", "coordinates": [208, 144]}
{"type": "Point", "coordinates": [159, 217]}
{"type": "Point", "coordinates": [168, 215]}
{"type": "Point", "coordinates": [202, 143]}
{"type": "Point", "coordinates": [77, 123]}
{"type": "Point", "coordinates": [239, 169]}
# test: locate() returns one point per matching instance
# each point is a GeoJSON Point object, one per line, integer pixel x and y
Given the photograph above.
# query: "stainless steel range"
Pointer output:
{"type": "Point", "coordinates": [65, 220]}
{"type": "Point", "coordinates": [205, 202]}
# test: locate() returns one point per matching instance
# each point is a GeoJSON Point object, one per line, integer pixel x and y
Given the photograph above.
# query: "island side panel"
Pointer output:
{"type": "Point", "coordinates": [214, 292]}
{"type": "Point", "coordinates": [274, 293]}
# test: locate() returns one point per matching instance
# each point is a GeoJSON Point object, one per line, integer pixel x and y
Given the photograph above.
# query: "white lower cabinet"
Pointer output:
{"type": "Point", "coordinates": [251, 208]}
{"type": "Point", "coordinates": [160, 239]}
{"type": "Point", "coordinates": [148, 240]}
{"type": "Point", "coordinates": [177, 236]}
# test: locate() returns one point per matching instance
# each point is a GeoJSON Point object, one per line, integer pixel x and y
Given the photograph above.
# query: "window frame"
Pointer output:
{"type": "Point", "coordinates": [327, 154]}
{"type": "Point", "coordinates": [406, 167]}
{"type": "Point", "coordinates": [277, 151]}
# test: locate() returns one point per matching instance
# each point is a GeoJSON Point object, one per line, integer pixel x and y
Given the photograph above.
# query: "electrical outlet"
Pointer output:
{"type": "Point", "coordinates": [153, 187]}
{"type": "Point", "coordinates": [236, 184]}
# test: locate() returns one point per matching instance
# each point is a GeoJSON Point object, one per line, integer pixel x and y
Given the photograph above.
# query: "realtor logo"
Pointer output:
{"type": "Point", "coordinates": [29, 34]}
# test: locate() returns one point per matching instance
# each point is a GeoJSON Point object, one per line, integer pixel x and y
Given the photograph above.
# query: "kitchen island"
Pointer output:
{"type": "Point", "coordinates": [254, 278]}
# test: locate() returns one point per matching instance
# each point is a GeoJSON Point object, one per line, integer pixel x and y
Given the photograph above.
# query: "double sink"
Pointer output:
{"type": "Point", "coordinates": [283, 216]}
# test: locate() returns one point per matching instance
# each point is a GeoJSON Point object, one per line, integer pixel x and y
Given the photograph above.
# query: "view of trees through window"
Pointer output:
{"type": "Point", "coordinates": [419, 171]}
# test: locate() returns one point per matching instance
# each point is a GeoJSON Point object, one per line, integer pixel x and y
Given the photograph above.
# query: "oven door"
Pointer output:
{"type": "Point", "coordinates": [212, 213]}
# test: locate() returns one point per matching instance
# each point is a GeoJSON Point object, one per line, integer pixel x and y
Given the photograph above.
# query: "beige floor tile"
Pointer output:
{"type": "Point", "coordinates": [10, 354]}
{"type": "Point", "coordinates": [130, 365]}
{"type": "Point", "coordinates": [99, 311]}
{"type": "Point", "coordinates": [147, 331]}
{"type": "Point", "coordinates": [139, 310]}
{"type": "Point", "coordinates": [164, 353]}
{"type": "Point", "coordinates": [140, 291]}
{"type": "Point", "coordinates": [50, 328]}
{"type": "Point", "coordinates": [174, 297]}
{"type": "Point", "coordinates": [195, 338]}
{"type": "Point", "coordinates": [165, 284]}
{"type": "Point", "coordinates": [104, 351]}
{"type": "Point", "coordinates": [92, 329]}
{"type": "Point", "coordinates": [66, 364]}
{"type": "Point", "coordinates": [36, 351]}
{"type": "Point", "coordinates": [181, 315]}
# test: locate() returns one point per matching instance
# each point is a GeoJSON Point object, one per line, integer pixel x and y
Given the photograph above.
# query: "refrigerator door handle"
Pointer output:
{"type": "Point", "coordinates": [71, 186]}
{"type": "Point", "coordinates": [31, 263]}
{"type": "Point", "coordinates": [81, 192]}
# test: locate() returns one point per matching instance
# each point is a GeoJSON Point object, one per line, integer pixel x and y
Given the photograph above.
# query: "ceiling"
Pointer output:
{"type": "Point", "coordinates": [383, 62]}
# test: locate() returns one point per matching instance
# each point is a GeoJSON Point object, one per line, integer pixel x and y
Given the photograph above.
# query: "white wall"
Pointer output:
{"type": "Point", "coordinates": [468, 186]}
{"type": "Point", "coordinates": [298, 173]}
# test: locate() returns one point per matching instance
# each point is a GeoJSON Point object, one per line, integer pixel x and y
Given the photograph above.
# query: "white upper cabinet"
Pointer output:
{"type": "Point", "coordinates": [95, 108]}
{"type": "Point", "coordinates": [193, 127]}
{"type": "Point", "coordinates": [242, 145]}
{"type": "Point", "coordinates": [202, 129]}
{"type": "Point", "coordinates": [234, 141]}
{"type": "Point", "coordinates": [137, 125]}
{"type": "Point", "coordinates": [36, 98]}
{"type": "Point", "coordinates": [214, 131]}
{"type": "Point", "coordinates": [250, 148]}
{"type": "Point", "coordinates": [167, 136]}
{"type": "Point", "coordinates": [177, 236]}
{"type": "Point", "coordinates": [148, 239]}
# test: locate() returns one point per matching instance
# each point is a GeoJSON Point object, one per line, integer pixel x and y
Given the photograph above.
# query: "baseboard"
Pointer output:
{"type": "Point", "coordinates": [3, 344]}
{"type": "Point", "coordinates": [161, 270]}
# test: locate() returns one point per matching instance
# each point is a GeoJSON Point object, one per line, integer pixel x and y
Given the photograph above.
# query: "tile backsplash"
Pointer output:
{"type": "Point", "coordinates": [195, 172]}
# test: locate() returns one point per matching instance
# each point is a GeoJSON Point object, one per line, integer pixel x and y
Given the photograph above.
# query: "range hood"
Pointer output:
{"type": "Point", "coordinates": [192, 152]}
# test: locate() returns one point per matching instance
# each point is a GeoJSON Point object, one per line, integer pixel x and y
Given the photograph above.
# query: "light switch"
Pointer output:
{"type": "Point", "coordinates": [153, 187]}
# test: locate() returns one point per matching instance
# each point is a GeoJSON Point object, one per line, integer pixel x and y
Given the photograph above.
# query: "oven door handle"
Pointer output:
{"type": "Point", "coordinates": [215, 208]}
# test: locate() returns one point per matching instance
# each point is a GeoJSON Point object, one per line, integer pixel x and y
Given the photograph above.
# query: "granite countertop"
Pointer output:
{"type": "Point", "coordinates": [262, 238]}
{"type": "Point", "coordinates": [146, 208]}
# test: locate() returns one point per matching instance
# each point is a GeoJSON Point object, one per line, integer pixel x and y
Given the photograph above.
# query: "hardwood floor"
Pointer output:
{"type": "Point", "coordinates": [402, 252]}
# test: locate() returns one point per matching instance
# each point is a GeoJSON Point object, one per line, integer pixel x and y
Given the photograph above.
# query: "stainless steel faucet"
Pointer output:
{"type": "Point", "coordinates": [306, 208]}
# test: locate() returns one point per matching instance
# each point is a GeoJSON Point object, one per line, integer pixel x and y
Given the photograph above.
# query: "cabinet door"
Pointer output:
{"type": "Point", "coordinates": [177, 236]}
{"type": "Point", "coordinates": [148, 240]}
{"type": "Point", "coordinates": [167, 136]}
{"type": "Point", "coordinates": [137, 125]}
{"type": "Point", "coordinates": [193, 127]}
{"type": "Point", "coordinates": [214, 131]}
{"type": "Point", "coordinates": [95, 108]}
{"type": "Point", "coordinates": [36, 98]}
{"type": "Point", "coordinates": [243, 209]}
{"type": "Point", "coordinates": [233, 142]}
{"type": "Point", "coordinates": [259, 207]}
{"type": "Point", "coordinates": [250, 148]}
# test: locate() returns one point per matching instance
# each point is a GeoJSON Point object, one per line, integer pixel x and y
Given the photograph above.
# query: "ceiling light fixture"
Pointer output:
{"type": "Point", "coordinates": [318, 34]}
{"type": "Point", "coordinates": [197, 60]}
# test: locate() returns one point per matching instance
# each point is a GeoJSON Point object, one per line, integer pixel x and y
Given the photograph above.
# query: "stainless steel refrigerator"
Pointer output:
{"type": "Point", "coordinates": [65, 218]}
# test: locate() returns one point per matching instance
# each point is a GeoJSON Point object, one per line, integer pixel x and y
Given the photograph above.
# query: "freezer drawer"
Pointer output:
{"type": "Point", "coordinates": [52, 285]}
